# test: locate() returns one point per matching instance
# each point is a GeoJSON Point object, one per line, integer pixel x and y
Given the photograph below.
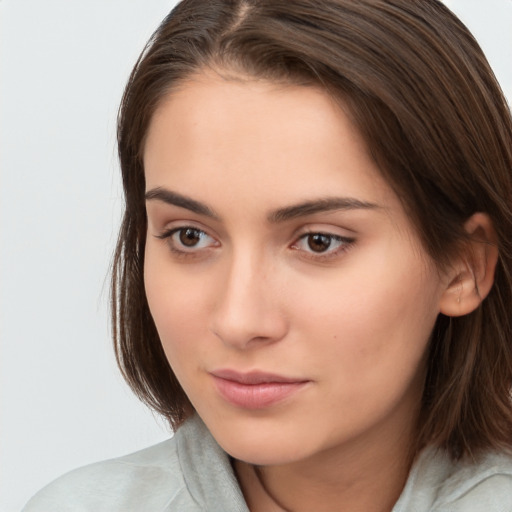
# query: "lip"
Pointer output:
{"type": "Point", "coordinates": [256, 389]}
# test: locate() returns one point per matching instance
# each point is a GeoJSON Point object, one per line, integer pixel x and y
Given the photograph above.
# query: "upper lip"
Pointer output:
{"type": "Point", "coordinates": [253, 377]}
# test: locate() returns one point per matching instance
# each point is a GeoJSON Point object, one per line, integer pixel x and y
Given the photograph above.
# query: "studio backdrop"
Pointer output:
{"type": "Point", "coordinates": [64, 64]}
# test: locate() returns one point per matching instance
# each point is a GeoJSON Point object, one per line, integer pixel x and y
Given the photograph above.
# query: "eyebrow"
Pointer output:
{"type": "Point", "coordinates": [280, 215]}
{"type": "Point", "coordinates": [173, 198]}
{"type": "Point", "coordinates": [318, 206]}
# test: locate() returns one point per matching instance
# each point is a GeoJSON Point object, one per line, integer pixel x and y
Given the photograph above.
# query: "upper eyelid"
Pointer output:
{"type": "Point", "coordinates": [346, 244]}
{"type": "Point", "coordinates": [324, 229]}
{"type": "Point", "coordinates": [184, 224]}
{"type": "Point", "coordinates": [180, 249]}
{"type": "Point", "coordinates": [298, 233]}
{"type": "Point", "coordinates": [325, 233]}
{"type": "Point", "coordinates": [339, 238]}
{"type": "Point", "coordinates": [167, 232]}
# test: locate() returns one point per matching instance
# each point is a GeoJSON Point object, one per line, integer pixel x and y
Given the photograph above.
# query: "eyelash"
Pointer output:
{"type": "Point", "coordinates": [183, 252]}
{"type": "Point", "coordinates": [345, 243]}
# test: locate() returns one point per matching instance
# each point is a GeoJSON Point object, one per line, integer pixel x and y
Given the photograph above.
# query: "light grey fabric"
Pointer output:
{"type": "Point", "coordinates": [191, 473]}
{"type": "Point", "coordinates": [436, 484]}
{"type": "Point", "coordinates": [188, 473]}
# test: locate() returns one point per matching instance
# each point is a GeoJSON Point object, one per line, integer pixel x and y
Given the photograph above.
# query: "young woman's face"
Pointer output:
{"type": "Point", "coordinates": [291, 294]}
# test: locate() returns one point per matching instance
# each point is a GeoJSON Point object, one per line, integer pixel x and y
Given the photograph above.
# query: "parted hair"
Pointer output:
{"type": "Point", "coordinates": [435, 121]}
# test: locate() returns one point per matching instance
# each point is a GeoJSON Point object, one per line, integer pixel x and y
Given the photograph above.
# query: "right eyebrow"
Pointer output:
{"type": "Point", "coordinates": [173, 198]}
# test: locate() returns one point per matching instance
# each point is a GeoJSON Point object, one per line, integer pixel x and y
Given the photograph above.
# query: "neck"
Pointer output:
{"type": "Point", "coordinates": [365, 475]}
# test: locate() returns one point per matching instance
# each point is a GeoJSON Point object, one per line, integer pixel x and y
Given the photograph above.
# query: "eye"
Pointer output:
{"type": "Point", "coordinates": [187, 239]}
{"type": "Point", "coordinates": [322, 244]}
{"type": "Point", "coordinates": [318, 242]}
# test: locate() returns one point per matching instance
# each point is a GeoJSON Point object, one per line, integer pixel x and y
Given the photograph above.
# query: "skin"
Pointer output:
{"type": "Point", "coordinates": [252, 293]}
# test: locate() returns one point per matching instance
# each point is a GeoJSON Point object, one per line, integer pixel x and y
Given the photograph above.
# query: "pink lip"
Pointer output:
{"type": "Point", "coordinates": [255, 390]}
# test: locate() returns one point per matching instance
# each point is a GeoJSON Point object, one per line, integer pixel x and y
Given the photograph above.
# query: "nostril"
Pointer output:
{"type": "Point", "coordinates": [248, 328]}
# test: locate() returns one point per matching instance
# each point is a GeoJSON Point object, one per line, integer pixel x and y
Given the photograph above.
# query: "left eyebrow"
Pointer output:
{"type": "Point", "coordinates": [318, 206]}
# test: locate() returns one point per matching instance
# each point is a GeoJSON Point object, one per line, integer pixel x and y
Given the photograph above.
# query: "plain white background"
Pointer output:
{"type": "Point", "coordinates": [63, 67]}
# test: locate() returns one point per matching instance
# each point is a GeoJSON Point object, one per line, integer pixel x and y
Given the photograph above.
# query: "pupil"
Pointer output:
{"type": "Point", "coordinates": [189, 237]}
{"type": "Point", "coordinates": [319, 242]}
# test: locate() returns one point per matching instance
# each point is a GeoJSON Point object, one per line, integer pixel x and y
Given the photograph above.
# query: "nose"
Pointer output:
{"type": "Point", "coordinates": [248, 310]}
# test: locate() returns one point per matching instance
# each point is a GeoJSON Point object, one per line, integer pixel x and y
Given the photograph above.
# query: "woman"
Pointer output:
{"type": "Point", "coordinates": [313, 280]}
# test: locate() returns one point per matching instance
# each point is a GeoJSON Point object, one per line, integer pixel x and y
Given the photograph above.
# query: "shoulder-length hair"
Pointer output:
{"type": "Point", "coordinates": [436, 123]}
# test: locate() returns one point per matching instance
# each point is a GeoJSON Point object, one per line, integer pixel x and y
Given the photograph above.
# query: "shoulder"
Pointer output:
{"type": "Point", "coordinates": [150, 476]}
{"type": "Point", "coordinates": [437, 484]}
{"type": "Point", "coordinates": [187, 473]}
{"type": "Point", "coordinates": [481, 486]}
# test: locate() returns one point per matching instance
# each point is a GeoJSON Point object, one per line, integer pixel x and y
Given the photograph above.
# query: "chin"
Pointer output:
{"type": "Point", "coordinates": [261, 446]}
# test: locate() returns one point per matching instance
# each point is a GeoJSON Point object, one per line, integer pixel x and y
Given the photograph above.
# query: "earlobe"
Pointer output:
{"type": "Point", "coordinates": [472, 274]}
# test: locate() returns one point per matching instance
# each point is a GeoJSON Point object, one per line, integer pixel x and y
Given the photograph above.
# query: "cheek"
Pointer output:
{"type": "Point", "coordinates": [371, 325]}
{"type": "Point", "coordinates": [173, 302]}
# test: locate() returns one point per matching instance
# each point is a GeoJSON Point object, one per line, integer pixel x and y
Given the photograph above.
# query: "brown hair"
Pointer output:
{"type": "Point", "coordinates": [434, 119]}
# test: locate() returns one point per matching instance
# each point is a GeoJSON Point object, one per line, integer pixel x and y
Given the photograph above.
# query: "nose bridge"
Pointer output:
{"type": "Point", "coordinates": [247, 308]}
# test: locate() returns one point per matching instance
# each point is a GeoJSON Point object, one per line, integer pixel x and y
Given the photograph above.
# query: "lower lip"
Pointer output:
{"type": "Point", "coordinates": [256, 396]}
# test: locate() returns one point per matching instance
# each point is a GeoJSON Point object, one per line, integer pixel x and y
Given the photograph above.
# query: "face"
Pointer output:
{"type": "Point", "coordinates": [291, 294]}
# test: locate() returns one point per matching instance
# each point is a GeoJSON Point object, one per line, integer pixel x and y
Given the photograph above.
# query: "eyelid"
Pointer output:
{"type": "Point", "coordinates": [181, 250]}
{"type": "Point", "coordinates": [341, 244]}
{"type": "Point", "coordinates": [346, 242]}
{"type": "Point", "coordinates": [325, 229]}
{"type": "Point", "coordinates": [164, 228]}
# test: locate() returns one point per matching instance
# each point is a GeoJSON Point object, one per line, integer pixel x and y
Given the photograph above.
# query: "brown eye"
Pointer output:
{"type": "Point", "coordinates": [320, 246]}
{"type": "Point", "coordinates": [188, 240]}
{"type": "Point", "coordinates": [319, 242]}
{"type": "Point", "coordinates": [190, 237]}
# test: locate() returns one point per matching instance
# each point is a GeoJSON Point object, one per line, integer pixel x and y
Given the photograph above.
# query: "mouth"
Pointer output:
{"type": "Point", "coordinates": [255, 390]}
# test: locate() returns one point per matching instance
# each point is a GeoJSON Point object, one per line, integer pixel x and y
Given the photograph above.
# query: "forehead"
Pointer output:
{"type": "Point", "coordinates": [257, 138]}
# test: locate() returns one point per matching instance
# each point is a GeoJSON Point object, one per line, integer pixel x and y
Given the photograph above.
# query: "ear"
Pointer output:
{"type": "Point", "coordinates": [471, 274]}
